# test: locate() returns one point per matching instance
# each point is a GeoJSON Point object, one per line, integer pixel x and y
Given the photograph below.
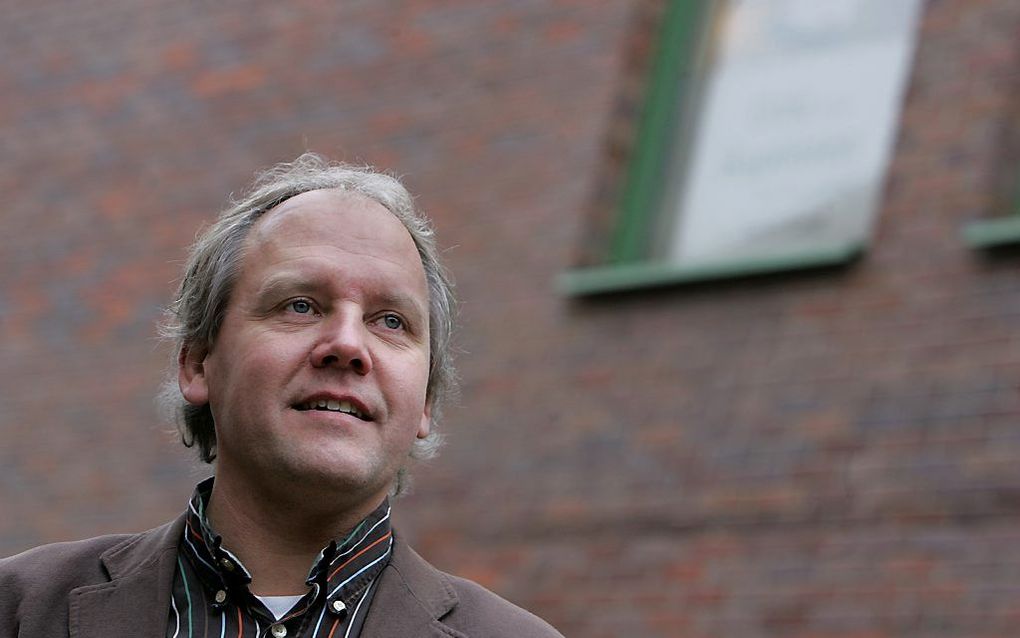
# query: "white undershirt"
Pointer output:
{"type": "Point", "coordinates": [279, 605]}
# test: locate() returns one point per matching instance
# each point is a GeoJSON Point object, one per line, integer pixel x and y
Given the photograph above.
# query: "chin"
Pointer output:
{"type": "Point", "coordinates": [333, 480]}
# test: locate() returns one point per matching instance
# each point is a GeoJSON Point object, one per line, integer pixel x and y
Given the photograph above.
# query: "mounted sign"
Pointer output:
{"type": "Point", "coordinates": [784, 146]}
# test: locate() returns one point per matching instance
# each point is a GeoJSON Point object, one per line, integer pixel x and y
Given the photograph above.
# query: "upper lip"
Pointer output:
{"type": "Point", "coordinates": [339, 402]}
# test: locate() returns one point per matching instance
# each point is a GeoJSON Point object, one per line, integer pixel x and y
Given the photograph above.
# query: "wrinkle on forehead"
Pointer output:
{"type": "Point", "coordinates": [322, 201]}
{"type": "Point", "coordinates": [313, 221]}
{"type": "Point", "coordinates": [323, 204]}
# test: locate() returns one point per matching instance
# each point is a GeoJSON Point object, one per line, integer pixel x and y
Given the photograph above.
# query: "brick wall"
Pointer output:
{"type": "Point", "coordinates": [810, 455]}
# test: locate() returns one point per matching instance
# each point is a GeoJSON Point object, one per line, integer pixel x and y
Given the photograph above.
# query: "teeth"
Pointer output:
{"type": "Point", "coordinates": [334, 406]}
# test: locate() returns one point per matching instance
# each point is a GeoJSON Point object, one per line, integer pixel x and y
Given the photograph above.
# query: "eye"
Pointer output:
{"type": "Point", "coordinates": [392, 321]}
{"type": "Point", "coordinates": [300, 306]}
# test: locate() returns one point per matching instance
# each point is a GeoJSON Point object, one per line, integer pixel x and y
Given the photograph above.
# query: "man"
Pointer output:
{"type": "Point", "coordinates": [312, 329]}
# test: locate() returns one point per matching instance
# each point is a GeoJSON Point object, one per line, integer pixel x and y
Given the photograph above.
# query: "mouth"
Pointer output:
{"type": "Point", "coordinates": [333, 405]}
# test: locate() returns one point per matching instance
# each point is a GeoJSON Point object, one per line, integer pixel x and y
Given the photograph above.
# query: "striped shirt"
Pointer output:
{"type": "Point", "coordinates": [210, 595]}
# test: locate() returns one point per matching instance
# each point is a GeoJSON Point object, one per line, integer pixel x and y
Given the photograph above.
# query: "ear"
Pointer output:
{"type": "Point", "coordinates": [426, 421]}
{"type": "Point", "coordinates": [191, 375]}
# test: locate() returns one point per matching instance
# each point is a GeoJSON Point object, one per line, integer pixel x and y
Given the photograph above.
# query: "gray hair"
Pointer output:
{"type": "Point", "coordinates": [194, 318]}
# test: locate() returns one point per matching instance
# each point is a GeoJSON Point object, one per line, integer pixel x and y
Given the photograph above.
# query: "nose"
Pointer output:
{"type": "Point", "coordinates": [343, 343]}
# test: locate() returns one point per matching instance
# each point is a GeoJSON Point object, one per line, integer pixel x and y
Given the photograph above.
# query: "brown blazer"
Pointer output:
{"type": "Point", "coordinates": [119, 586]}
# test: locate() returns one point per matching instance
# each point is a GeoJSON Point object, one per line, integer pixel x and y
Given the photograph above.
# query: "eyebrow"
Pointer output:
{"type": "Point", "coordinates": [282, 284]}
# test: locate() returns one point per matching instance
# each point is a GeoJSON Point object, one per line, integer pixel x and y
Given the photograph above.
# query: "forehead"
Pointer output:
{"type": "Point", "coordinates": [333, 226]}
{"type": "Point", "coordinates": [329, 211]}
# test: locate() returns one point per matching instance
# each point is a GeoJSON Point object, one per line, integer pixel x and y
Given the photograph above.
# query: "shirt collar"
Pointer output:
{"type": "Point", "coordinates": [344, 568]}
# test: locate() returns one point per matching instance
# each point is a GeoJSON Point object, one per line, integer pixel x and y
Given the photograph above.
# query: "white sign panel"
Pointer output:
{"type": "Point", "coordinates": [794, 128]}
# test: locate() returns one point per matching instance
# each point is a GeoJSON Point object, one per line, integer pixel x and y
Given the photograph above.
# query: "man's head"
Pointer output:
{"type": "Point", "coordinates": [325, 237]}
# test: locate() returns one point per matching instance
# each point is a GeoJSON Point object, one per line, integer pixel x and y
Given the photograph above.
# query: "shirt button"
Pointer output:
{"type": "Point", "coordinates": [221, 596]}
{"type": "Point", "coordinates": [339, 606]}
{"type": "Point", "coordinates": [227, 564]}
{"type": "Point", "coordinates": [279, 631]}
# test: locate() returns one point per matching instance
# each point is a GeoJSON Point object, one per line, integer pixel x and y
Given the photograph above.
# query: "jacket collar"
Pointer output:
{"type": "Point", "coordinates": [136, 600]}
{"type": "Point", "coordinates": [411, 598]}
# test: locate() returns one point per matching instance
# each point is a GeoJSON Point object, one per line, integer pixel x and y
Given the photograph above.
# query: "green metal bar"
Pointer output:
{"type": "Point", "coordinates": [998, 231]}
{"type": "Point", "coordinates": [625, 277]}
{"type": "Point", "coordinates": [1016, 198]}
{"type": "Point", "coordinates": [993, 233]}
{"type": "Point", "coordinates": [675, 54]}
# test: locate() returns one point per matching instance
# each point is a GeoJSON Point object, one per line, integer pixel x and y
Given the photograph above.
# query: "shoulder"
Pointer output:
{"type": "Point", "coordinates": [74, 561]}
{"type": "Point", "coordinates": [35, 584]}
{"type": "Point", "coordinates": [483, 612]}
{"type": "Point", "coordinates": [463, 605]}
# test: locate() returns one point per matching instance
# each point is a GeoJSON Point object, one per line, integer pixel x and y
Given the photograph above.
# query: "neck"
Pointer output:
{"type": "Point", "coordinates": [276, 538]}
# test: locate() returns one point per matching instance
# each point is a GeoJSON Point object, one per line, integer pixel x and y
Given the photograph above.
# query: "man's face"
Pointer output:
{"type": "Point", "coordinates": [329, 316]}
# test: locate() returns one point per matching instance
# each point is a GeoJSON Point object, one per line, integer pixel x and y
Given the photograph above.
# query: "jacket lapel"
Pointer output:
{"type": "Point", "coordinates": [411, 598]}
{"type": "Point", "coordinates": [136, 601]}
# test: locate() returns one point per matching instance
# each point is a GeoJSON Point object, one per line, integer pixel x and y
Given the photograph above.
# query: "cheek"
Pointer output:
{"type": "Point", "coordinates": [249, 374]}
{"type": "Point", "coordinates": [405, 387]}
{"type": "Point", "coordinates": [415, 378]}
